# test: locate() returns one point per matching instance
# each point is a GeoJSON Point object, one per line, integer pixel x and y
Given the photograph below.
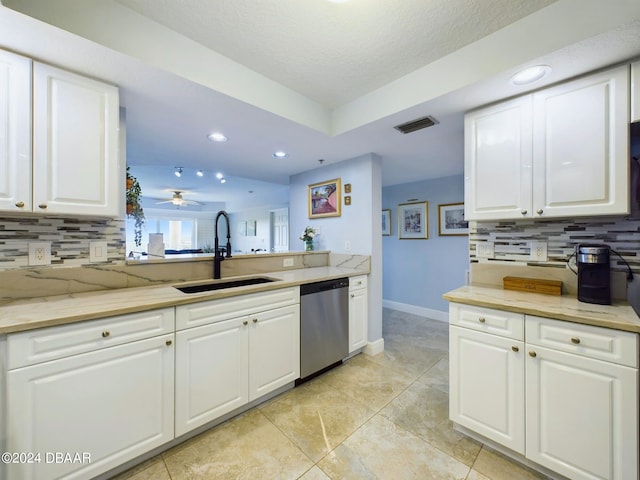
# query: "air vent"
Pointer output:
{"type": "Point", "coordinates": [418, 124]}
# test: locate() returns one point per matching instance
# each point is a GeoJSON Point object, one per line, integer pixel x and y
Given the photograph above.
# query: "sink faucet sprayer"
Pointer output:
{"type": "Point", "coordinates": [217, 258]}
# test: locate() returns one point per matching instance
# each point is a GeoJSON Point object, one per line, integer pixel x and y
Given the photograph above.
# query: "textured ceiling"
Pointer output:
{"type": "Point", "coordinates": [335, 52]}
{"type": "Point", "coordinates": [264, 61]}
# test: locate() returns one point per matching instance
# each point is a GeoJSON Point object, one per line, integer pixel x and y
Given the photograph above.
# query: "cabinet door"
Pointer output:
{"type": "Point", "coordinates": [358, 319]}
{"type": "Point", "coordinates": [15, 132]}
{"type": "Point", "coordinates": [211, 372]}
{"type": "Point", "coordinates": [582, 415]}
{"type": "Point", "coordinates": [76, 163]}
{"type": "Point", "coordinates": [274, 350]}
{"type": "Point", "coordinates": [487, 385]}
{"type": "Point", "coordinates": [580, 146]}
{"type": "Point", "coordinates": [107, 407]}
{"type": "Point", "coordinates": [497, 161]}
{"type": "Point", "coordinates": [635, 92]}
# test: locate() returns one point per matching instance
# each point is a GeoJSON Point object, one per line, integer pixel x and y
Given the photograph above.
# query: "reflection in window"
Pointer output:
{"type": "Point", "coordinates": [178, 234]}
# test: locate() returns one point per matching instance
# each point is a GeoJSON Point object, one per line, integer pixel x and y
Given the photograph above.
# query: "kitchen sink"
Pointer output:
{"type": "Point", "coordinates": [220, 284]}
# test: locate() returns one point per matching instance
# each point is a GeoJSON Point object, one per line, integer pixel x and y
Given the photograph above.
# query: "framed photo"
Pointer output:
{"type": "Point", "coordinates": [386, 222]}
{"type": "Point", "coordinates": [451, 219]}
{"type": "Point", "coordinates": [413, 221]}
{"type": "Point", "coordinates": [324, 199]}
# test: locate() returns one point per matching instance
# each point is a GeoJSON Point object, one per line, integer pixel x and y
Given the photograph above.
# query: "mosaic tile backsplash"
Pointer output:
{"type": "Point", "coordinates": [512, 239]}
{"type": "Point", "coordinates": [69, 239]}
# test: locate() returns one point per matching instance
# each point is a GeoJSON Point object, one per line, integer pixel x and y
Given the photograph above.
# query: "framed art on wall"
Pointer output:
{"type": "Point", "coordinates": [413, 221]}
{"type": "Point", "coordinates": [324, 199]}
{"type": "Point", "coordinates": [451, 220]}
{"type": "Point", "coordinates": [386, 222]}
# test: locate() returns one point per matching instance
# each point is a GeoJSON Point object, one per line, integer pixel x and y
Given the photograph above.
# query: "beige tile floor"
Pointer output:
{"type": "Point", "coordinates": [380, 417]}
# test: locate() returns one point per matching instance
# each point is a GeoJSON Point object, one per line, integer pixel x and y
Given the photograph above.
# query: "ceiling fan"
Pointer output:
{"type": "Point", "coordinates": [178, 201]}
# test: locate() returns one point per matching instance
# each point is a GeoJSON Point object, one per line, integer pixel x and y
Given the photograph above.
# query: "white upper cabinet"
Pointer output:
{"type": "Point", "coordinates": [76, 162]}
{"type": "Point", "coordinates": [15, 132]}
{"type": "Point", "coordinates": [497, 161]}
{"type": "Point", "coordinates": [635, 91]}
{"type": "Point", "coordinates": [580, 146]}
{"type": "Point", "coordinates": [561, 152]}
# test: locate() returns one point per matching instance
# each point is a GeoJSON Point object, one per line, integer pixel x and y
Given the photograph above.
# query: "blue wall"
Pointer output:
{"type": "Point", "coordinates": [417, 272]}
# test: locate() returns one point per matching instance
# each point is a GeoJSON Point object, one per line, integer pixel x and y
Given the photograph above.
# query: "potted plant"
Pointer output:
{"type": "Point", "coordinates": [134, 209]}
{"type": "Point", "coordinates": [307, 238]}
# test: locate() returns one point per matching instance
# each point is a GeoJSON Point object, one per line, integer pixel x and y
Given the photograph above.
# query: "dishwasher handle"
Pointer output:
{"type": "Point", "coordinates": [315, 287]}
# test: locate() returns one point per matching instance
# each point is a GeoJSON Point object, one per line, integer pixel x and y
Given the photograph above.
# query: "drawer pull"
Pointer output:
{"type": "Point", "coordinates": [106, 333]}
{"type": "Point", "coordinates": [533, 354]}
{"type": "Point", "coordinates": [168, 342]}
{"type": "Point", "coordinates": [255, 320]}
{"type": "Point", "coordinates": [481, 320]}
{"type": "Point", "coordinates": [245, 322]}
{"type": "Point", "coordinates": [19, 204]}
{"type": "Point", "coordinates": [523, 212]}
{"type": "Point", "coordinates": [575, 340]}
{"type": "Point", "coordinates": [43, 206]}
{"type": "Point", "coordinates": [353, 295]}
{"type": "Point", "coordinates": [515, 349]}
{"type": "Point", "coordinates": [539, 211]}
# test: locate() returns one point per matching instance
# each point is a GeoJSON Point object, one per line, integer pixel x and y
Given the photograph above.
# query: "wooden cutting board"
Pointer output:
{"type": "Point", "coordinates": [533, 285]}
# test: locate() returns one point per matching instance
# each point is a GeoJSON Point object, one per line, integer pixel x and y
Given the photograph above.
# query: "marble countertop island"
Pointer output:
{"type": "Point", "coordinates": [28, 314]}
{"type": "Point", "coordinates": [619, 316]}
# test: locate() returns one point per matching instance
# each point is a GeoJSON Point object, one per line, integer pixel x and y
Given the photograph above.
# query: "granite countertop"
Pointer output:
{"type": "Point", "coordinates": [619, 316]}
{"type": "Point", "coordinates": [29, 314]}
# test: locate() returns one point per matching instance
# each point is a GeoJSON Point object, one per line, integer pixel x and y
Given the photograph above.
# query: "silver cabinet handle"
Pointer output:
{"type": "Point", "coordinates": [169, 342]}
{"type": "Point", "coordinates": [533, 354]}
{"type": "Point", "coordinates": [42, 206]}
{"type": "Point", "coordinates": [19, 204]}
{"type": "Point", "coordinates": [515, 349]}
{"type": "Point", "coordinates": [523, 212]}
{"type": "Point", "coordinates": [255, 320]}
{"type": "Point", "coordinates": [353, 295]}
{"type": "Point", "coordinates": [481, 320]}
{"type": "Point", "coordinates": [246, 322]}
{"type": "Point", "coordinates": [539, 211]}
{"type": "Point", "coordinates": [106, 333]}
{"type": "Point", "coordinates": [575, 340]}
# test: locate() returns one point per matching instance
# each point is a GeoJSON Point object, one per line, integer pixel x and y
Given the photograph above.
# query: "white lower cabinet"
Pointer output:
{"type": "Point", "coordinates": [358, 312]}
{"type": "Point", "coordinates": [487, 385]}
{"type": "Point", "coordinates": [88, 413]}
{"type": "Point", "coordinates": [566, 398]}
{"type": "Point", "coordinates": [223, 365]}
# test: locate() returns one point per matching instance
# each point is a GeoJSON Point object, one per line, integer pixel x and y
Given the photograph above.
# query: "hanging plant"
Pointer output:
{"type": "Point", "coordinates": [134, 209]}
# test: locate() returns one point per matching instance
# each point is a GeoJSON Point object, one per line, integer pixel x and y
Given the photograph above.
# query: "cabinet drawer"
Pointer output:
{"type": "Point", "coordinates": [595, 342]}
{"type": "Point", "coordinates": [36, 346]}
{"type": "Point", "coordinates": [496, 322]}
{"type": "Point", "coordinates": [357, 283]}
{"type": "Point", "coordinates": [211, 311]}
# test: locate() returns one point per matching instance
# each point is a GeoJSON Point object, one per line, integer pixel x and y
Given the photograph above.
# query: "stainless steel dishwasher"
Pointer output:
{"type": "Point", "coordinates": [324, 326]}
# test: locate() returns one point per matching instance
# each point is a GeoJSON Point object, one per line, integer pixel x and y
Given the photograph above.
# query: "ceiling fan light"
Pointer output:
{"type": "Point", "coordinates": [200, 173]}
{"type": "Point", "coordinates": [280, 154]}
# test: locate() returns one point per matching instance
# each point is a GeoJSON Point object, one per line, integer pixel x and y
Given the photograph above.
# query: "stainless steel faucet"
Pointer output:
{"type": "Point", "coordinates": [217, 258]}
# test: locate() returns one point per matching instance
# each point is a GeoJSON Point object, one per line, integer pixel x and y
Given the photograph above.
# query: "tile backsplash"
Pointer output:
{"type": "Point", "coordinates": [69, 239]}
{"type": "Point", "coordinates": [512, 239]}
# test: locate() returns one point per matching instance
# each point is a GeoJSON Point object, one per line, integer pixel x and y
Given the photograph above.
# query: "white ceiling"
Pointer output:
{"type": "Point", "coordinates": [317, 79]}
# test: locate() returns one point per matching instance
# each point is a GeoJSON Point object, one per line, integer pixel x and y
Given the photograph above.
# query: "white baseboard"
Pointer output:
{"type": "Point", "coordinates": [375, 347]}
{"type": "Point", "coordinates": [414, 309]}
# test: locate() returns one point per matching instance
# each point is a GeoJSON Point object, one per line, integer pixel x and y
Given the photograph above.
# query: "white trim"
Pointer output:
{"type": "Point", "coordinates": [375, 347]}
{"type": "Point", "coordinates": [414, 309]}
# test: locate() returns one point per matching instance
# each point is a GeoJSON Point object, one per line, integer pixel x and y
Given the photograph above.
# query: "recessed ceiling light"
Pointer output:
{"type": "Point", "coordinates": [200, 173]}
{"type": "Point", "coordinates": [280, 154]}
{"type": "Point", "coordinates": [217, 137]}
{"type": "Point", "coordinates": [530, 75]}
{"type": "Point", "coordinates": [223, 180]}
{"type": "Point", "coordinates": [178, 172]}
{"type": "Point", "coordinates": [219, 175]}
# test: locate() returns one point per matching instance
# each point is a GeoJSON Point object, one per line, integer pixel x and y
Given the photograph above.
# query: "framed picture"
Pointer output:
{"type": "Point", "coordinates": [386, 222]}
{"type": "Point", "coordinates": [324, 199]}
{"type": "Point", "coordinates": [413, 221]}
{"type": "Point", "coordinates": [451, 219]}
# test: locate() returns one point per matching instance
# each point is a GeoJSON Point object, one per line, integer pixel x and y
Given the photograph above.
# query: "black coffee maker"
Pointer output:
{"type": "Point", "coordinates": [594, 281]}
